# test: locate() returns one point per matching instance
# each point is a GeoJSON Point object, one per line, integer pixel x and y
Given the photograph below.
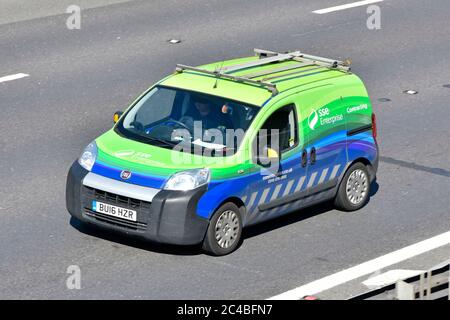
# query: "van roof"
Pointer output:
{"type": "Point", "coordinates": [256, 79]}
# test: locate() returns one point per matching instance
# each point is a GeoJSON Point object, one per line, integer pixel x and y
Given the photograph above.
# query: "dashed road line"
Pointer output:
{"type": "Point", "coordinates": [346, 6]}
{"type": "Point", "coordinates": [13, 77]}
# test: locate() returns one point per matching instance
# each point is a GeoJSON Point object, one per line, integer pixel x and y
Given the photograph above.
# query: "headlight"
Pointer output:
{"type": "Point", "coordinates": [87, 158]}
{"type": "Point", "coordinates": [187, 180]}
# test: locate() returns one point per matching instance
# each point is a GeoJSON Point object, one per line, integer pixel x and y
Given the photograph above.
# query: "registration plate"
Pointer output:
{"type": "Point", "coordinates": [114, 211]}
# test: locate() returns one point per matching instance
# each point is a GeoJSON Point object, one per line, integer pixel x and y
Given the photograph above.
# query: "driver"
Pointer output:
{"type": "Point", "coordinates": [206, 114]}
{"type": "Point", "coordinates": [208, 118]}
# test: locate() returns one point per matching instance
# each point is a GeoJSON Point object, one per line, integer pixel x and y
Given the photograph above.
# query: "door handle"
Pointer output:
{"type": "Point", "coordinates": [312, 157]}
{"type": "Point", "coordinates": [304, 158]}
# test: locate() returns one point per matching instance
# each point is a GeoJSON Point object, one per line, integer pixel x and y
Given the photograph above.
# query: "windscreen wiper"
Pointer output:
{"type": "Point", "coordinates": [166, 142]}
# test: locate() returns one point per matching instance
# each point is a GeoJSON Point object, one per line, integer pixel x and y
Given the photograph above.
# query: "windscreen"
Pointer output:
{"type": "Point", "coordinates": [170, 117]}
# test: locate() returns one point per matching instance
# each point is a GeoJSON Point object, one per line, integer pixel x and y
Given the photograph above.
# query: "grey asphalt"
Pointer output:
{"type": "Point", "coordinates": [78, 78]}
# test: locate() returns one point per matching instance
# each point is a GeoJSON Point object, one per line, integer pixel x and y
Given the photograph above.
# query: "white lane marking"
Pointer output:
{"type": "Point", "coordinates": [390, 277]}
{"type": "Point", "coordinates": [365, 268]}
{"type": "Point", "coordinates": [346, 6]}
{"type": "Point", "coordinates": [13, 77]}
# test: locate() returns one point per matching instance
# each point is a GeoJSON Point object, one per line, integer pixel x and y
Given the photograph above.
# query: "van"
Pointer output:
{"type": "Point", "coordinates": [210, 150]}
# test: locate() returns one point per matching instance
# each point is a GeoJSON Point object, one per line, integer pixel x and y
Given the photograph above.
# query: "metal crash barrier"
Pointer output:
{"type": "Point", "coordinates": [430, 285]}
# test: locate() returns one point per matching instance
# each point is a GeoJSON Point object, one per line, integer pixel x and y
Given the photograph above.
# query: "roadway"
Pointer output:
{"type": "Point", "coordinates": [78, 78]}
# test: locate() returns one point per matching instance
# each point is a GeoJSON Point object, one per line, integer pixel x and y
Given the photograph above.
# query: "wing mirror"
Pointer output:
{"type": "Point", "coordinates": [117, 116]}
{"type": "Point", "coordinates": [268, 157]}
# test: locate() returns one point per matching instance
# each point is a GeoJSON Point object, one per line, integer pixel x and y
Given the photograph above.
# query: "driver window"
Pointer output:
{"type": "Point", "coordinates": [280, 131]}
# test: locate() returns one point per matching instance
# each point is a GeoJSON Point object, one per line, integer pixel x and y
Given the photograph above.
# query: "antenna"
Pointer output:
{"type": "Point", "coordinates": [217, 71]}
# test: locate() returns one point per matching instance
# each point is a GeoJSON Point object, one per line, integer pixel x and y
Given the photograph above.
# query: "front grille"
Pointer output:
{"type": "Point", "coordinates": [118, 200]}
{"type": "Point", "coordinates": [141, 207]}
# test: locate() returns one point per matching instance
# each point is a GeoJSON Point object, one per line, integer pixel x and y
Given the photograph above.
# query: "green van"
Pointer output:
{"type": "Point", "coordinates": [209, 150]}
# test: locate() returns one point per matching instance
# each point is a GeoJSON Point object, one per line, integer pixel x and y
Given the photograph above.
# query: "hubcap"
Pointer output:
{"type": "Point", "coordinates": [227, 229]}
{"type": "Point", "coordinates": [357, 186]}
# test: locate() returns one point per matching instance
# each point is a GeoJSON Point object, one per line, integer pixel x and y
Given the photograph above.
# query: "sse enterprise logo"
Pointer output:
{"type": "Point", "coordinates": [323, 117]}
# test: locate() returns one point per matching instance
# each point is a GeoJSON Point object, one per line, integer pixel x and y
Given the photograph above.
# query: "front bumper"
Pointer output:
{"type": "Point", "coordinates": [166, 217]}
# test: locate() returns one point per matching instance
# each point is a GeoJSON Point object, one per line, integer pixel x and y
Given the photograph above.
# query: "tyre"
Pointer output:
{"type": "Point", "coordinates": [224, 230]}
{"type": "Point", "coordinates": [353, 192]}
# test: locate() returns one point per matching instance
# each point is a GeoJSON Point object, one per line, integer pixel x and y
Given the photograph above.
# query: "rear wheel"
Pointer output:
{"type": "Point", "coordinates": [224, 230]}
{"type": "Point", "coordinates": [354, 189]}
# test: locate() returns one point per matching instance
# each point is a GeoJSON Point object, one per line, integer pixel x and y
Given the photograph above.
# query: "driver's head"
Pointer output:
{"type": "Point", "coordinates": [203, 106]}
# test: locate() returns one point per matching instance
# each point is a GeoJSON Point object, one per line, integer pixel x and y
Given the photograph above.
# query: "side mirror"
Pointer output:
{"type": "Point", "coordinates": [117, 116]}
{"type": "Point", "coordinates": [268, 157]}
{"type": "Point", "coordinates": [272, 154]}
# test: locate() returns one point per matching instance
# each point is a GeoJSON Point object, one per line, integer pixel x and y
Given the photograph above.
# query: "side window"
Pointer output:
{"type": "Point", "coordinates": [281, 129]}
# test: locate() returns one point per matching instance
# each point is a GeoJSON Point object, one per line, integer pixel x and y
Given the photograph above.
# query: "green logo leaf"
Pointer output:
{"type": "Point", "coordinates": [313, 119]}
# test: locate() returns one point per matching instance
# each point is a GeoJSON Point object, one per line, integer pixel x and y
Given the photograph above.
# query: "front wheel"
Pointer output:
{"type": "Point", "coordinates": [224, 230]}
{"type": "Point", "coordinates": [353, 193]}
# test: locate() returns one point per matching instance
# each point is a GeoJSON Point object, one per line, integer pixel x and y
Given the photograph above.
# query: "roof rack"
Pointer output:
{"type": "Point", "coordinates": [268, 57]}
{"type": "Point", "coordinates": [303, 57]}
{"type": "Point", "coordinates": [217, 73]}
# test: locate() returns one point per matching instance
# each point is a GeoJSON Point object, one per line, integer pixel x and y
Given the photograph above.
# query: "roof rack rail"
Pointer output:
{"type": "Point", "coordinates": [303, 57]}
{"type": "Point", "coordinates": [218, 73]}
{"type": "Point", "coordinates": [268, 57]}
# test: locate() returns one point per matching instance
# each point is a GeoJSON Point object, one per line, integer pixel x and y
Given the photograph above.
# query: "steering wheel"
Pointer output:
{"type": "Point", "coordinates": [177, 122]}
